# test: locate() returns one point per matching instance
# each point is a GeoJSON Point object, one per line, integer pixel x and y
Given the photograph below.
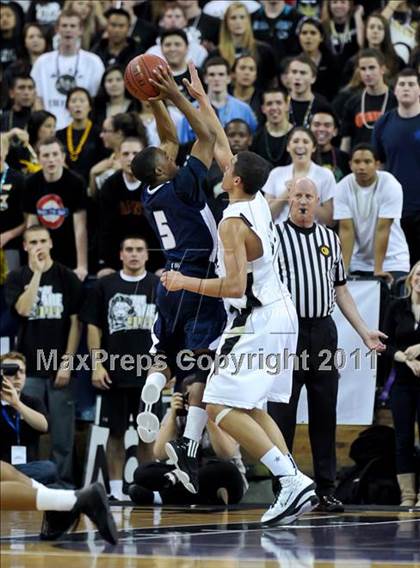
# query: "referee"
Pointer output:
{"type": "Point", "coordinates": [311, 266]}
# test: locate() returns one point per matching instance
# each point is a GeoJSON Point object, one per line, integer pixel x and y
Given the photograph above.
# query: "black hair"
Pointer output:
{"type": "Point", "coordinates": [102, 97]}
{"type": "Point", "coordinates": [138, 237]}
{"type": "Point", "coordinates": [370, 52]}
{"type": "Point", "coordinates": [212, 61]}
{"type": "Point", "coordinates": [76, 90]}
{"type": "Point", "coordinates": [36, 120]}
{"type": "Point", "coordinates": [238, 121]}
{"type": "Point", "coordinates": [117, 12]}
{"type": "Point", "coordinates": [364, 146]}
{"type": "Point", "coordinates": [174, 31]}
{"type": "Point", "coordinates": [408, 72]}
{"type": "Point", "coordinates": [20, 76]}
{"type": "Point", "coordinates": [143, 165]}
{"type": "Point", "coordinates": [315, 22]}
{"type": "Point", "coordinates": [327, 110]}
{"type": "Point", "coordinates": [253, 171]}
{"type": "Point", "coordinates": [274, 90]}
{"type": "Point", "coordinates": [131, 125]}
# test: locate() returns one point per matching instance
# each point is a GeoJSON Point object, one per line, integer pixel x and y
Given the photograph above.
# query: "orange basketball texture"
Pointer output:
{"type": "Point", "coordinates": [137, 74]}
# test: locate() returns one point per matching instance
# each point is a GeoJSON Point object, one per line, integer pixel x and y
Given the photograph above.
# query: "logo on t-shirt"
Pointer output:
{"type": "Point", "coordinates": [325, 250]}
{"type": "Point", "coordinates": [128, 312]}
{"type": "Point", "coordinates": [51, 211]}
{"type": "Point", "coordinates": [48, 305]}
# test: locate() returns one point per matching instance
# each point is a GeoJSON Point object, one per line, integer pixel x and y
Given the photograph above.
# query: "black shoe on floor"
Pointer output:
{"type": "Point", "coordinates": [57, 523]}
{"type": "Point", "coordinates": [182, 453]}
{"type": "Point", "coordinates": [329, 504]}
{"type": "Point", "coordinates": [93, 502]}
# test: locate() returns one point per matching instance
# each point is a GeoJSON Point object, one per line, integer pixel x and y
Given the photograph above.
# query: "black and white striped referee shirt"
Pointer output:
{"type": "Point", "coordinates": [311, 265]}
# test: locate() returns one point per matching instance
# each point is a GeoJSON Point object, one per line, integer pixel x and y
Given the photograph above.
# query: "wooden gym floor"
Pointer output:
{"type": "Point", "coordinates": [172, 537]}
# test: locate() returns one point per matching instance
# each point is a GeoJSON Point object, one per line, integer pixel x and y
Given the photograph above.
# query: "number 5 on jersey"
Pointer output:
{"type": "Point", "coordinates": [167, 236]}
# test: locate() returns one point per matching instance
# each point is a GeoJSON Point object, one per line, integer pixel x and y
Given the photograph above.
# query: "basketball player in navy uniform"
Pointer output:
{"type": "Point", "coordinates": [262, 322]}
{"type": "Point", "coordinates": [176, 207]}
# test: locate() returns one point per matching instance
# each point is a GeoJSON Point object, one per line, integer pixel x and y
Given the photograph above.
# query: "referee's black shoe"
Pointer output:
{"type": "Point", "coordinates": [329, 504]}
{"type": "Point", "coordinates": [183, 455]}
{"type": "Point", "coordinates": [93, 502]}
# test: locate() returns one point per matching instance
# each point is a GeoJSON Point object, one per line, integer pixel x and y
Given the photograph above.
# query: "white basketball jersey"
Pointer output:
{"type": "Point", "coordinates": [263, 283]}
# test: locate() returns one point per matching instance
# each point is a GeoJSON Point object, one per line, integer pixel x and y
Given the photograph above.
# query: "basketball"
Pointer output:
{"type": "Point", "coordinates": [137, 75]}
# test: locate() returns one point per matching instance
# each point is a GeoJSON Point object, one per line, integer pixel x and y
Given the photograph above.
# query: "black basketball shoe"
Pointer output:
{"type": "Point", "coordinates": [183, 455]}
{"type": "Point", "coordinates": [93, 502]}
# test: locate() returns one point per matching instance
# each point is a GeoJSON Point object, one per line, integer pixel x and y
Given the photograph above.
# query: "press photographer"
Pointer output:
{"type": "Point", "coordinates": [23, 419]}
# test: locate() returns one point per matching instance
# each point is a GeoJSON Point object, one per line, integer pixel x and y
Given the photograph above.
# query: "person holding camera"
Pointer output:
{"type": "Point", "coordinates": [23, 419]}
{"type": "Point", "coordinates": [221, 472]}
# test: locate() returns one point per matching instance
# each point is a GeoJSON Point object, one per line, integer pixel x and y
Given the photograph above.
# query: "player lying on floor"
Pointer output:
{"type": "Point", "coordinates": [62, 507]}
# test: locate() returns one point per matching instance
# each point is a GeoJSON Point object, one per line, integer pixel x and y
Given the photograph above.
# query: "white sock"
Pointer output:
{"type": "Point", "coordinates": [55, 499]}
{"type": "Point", "coordinates": [116, 486]}
{"type": "Point", "coordinates": [156, 378]}
{"type": "Point", "coordinates": [278, 463]}
{"type": "Point", "coordinates": [36, 484]}
{"type": "Point", "coordinates": [196, 422]}
{"type": "Point", "coordinates": [157, 499]}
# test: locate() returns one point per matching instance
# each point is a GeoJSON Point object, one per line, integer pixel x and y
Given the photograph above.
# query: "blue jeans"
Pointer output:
{"type": "Point", "coordinates": [43, 471]}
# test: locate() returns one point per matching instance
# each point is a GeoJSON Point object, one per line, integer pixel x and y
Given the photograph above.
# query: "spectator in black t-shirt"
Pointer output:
{"type": "Point", "coordinates": [244, 76]}
{"type": "Point", "coordinates": [344, 28]}
{"type": "Point", "coordinates": [324, 126]}
{"type": "Point", "coordinates": [56, 198]}
{"type": "Point", "coordinates": [275, 23]}
{"type": "Point", "coordinates": [10, 28]}
{"type": "Point", "coordinates": [121, 212]}
{"type": "Point", "coordinates": [364, 109]}
{"type": "Point", "coordinates": [303, 102]}
{"type": "Point", "coordinates": [22, 96]}
{"type": "Point", "coordinates": [80, 138]}
{"type": "Point", "coordinates": [46, 297]}
{"type": "Point", "coordinates": [174, 45]}
{"type": "Point", "coordinates": [312, 42]}
{"type": "Point", "coordinates": [120, 312]}
{"type": "Point", "coordinates": [118, 47]}
{"type": "Point", "coordinates": [239, 136]}
{"type": "Point", "coordinates": [23, 419]}
{"type": "Point", "coordinates": [270, 141]}
{"type": "Point", "coordinates": [12, 222]}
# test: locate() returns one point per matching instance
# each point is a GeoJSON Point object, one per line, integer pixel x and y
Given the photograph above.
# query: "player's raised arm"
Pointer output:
{"type": "Point", "coordinates": [203, 148]}
{"type": "Point", "coordinates": [233, 233]}
{"type": "Point", "coordinates": [169, 142]}
{"type": "Point", "coordinates": [222, 152]}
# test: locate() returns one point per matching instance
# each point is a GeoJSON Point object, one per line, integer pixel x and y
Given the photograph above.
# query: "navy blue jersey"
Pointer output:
{"type": "Point", "coordinates": [181, 218]}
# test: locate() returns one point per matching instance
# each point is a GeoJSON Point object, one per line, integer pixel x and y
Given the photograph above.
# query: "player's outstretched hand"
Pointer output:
{"type": "Point", "coordinates": [172, 280]}
{"type": "Point", "coordinates": [195, 87]}
{"type": "Point", "coordinates": [164, 81]}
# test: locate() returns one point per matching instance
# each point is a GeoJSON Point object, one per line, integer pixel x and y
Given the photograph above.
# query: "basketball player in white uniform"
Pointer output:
{"type": "Point", "coordinates": [263, 325]}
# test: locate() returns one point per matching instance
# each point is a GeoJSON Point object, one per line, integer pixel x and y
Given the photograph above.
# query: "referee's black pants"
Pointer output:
{"type": "Point", "coordinates": [318, 339]}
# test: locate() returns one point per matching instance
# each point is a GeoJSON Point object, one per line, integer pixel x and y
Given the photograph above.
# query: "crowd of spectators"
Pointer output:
{"type": "Point", "coordinates": [324, 89]}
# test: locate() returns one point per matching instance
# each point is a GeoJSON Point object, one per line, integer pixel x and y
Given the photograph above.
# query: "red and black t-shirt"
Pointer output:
{"type": "Point", "coordinates": [54, 203]}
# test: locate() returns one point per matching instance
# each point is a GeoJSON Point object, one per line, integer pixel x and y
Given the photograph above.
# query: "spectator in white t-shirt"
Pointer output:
{"type": "Point", "coordinates": [368, 205]}
{"type": "Point", "coordinates": [301, 146]}
{"type": "Point", "coordinates": [57, 72]}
